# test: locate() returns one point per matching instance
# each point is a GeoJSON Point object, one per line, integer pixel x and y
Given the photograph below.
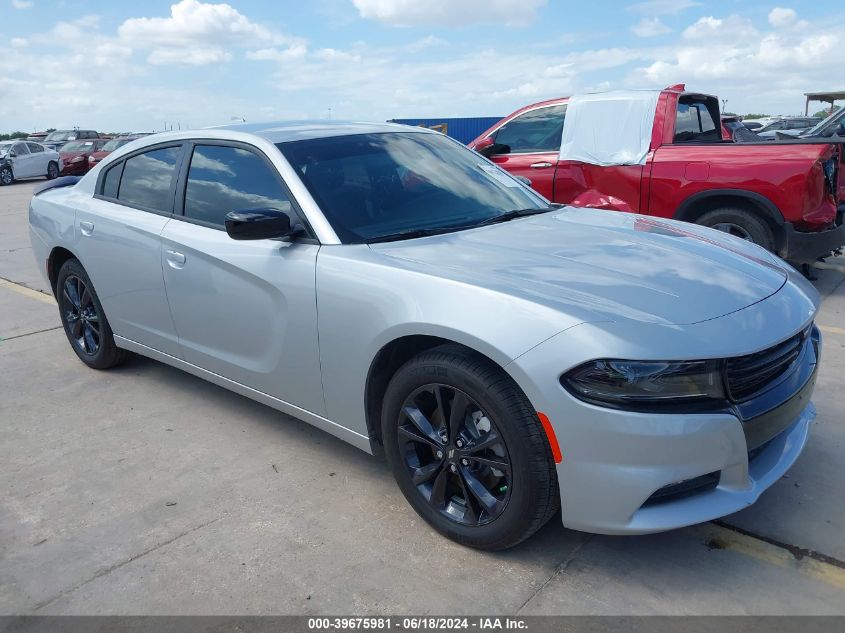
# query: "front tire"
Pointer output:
{"type": "Point", "coordinates": [52, 170]}
{"type": "Point", "coordinates": [468, 450]}
{"type": "Point", "coordinates": [84, 320]}
{"type": "Point", "coordinates": [6, 176]}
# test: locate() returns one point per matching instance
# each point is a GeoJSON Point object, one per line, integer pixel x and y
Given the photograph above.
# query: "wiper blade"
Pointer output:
{"type": "Point", "coordinates": [507, 216]}
{"type": "Point", "coordinates": [411, 234]}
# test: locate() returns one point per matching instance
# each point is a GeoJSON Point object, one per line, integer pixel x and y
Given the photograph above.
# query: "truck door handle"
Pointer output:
{"type": "Point", "coordinates": [541, 165]}
{"type": "Point", "coordinates": [86, 227]}
{"type": "Point", "coordinates": [175, 259]}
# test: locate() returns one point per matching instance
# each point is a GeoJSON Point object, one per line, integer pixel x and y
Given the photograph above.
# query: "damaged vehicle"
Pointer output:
{"type": "Point", "coordinates": [513, 360]}
{"type": "Point", "coordinates": [665, 153]}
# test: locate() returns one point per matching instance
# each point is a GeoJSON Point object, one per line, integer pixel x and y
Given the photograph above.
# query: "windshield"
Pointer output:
{"type": "Point", "coordinates": [374, 185]}
{"type": "Point", "coordinates": [60, 135]}
{"type": "Point", "coordinates": [79, 146]}
{"type": "Point", "coordinates": [115, 143]}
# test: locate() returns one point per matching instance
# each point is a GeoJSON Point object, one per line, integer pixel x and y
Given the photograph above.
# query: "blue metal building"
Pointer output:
{"type": "Point", "coordinates": [460, 129]}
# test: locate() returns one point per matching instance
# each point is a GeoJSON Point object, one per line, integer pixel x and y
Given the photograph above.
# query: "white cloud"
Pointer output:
{"type": "Point", "coordinates": [780, 17]}
{"type": "Point", "coordinates": [18, 42]}
{"type": "Point", "coordinates": [449, 12]}
{"type": "Point", "coordinates": [731, 28]}
{"type": "Point", "coordinates": [650, 27]}
{"type": "Point", "coordinates": [663, 7]}
{"type": "Point", "coordinates": [296, 51]}
{"type": "Point", "coordinates": [196, 33]}
{"type": "Point", "coordinates": [22, 4]}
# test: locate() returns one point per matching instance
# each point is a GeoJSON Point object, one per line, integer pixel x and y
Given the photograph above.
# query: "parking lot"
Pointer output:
{"type": "Point", "coordinates": [144, 490]}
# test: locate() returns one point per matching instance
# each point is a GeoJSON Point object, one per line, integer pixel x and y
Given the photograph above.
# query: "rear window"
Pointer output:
{"type": "Point", "coordinates": [147, 179]}
{"type": "Point", "coordinates": [695, 121]}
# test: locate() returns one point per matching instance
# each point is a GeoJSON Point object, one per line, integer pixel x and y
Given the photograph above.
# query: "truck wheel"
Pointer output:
{"type": "Point", "coordinates": [467, 449]}
{"type": "Point", "coordinates": [740, 223]}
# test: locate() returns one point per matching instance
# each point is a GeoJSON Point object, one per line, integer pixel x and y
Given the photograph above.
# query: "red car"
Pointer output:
{"type": "Point", "coordinates": [110, 146]}
{"type": "Point", "coordinates": [75, 155]}
{"type": "Point", "coordinates": [662, 153]}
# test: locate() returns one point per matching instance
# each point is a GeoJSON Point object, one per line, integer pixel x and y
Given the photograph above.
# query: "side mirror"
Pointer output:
{"type": "Point", "coordinates": [258, 224]}
{"type": "Point", "coordinates": [488, 148]}
{"type": "Point", "coordinates": [12, 153]}
{"type": "Point", "coordinates": [525, 181]}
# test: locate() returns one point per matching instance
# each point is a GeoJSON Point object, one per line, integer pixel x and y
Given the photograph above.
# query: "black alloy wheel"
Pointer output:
{"type": "Point", "coordinates": [84, 319]}
{"type": "Point", "coordinates": [52, 171]}
{"type": "Point", "coordinates": [467, 449]}
{"type": "Point", "coordinates": [6, 176]}
{"type": "Point", "coordinates": [455, 454]}
{"type": "Point", "coordinates": [81, 315]}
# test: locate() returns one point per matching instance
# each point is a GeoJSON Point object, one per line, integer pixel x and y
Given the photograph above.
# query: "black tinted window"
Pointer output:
{"type": "Point", "coordinates": [695, 120]}
{"type": "Point", "coordinates": [224, 179]}
{"type": "Point", "coordinates": [112, 180]}
{"type": "Point", "coordinates": [535, 131]}
{"type": "Point", "coordinates": [147, 177]}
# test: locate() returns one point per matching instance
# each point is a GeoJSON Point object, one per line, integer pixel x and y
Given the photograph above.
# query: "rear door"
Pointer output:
{"type": "Point", "coordinates": [40, 158]}
{"type": "Point", "coordinates": [532, 144]}
{"type": "Point", "coordinates": [245, 310]}
{"type": "Point", "coordinates": [120, 245]}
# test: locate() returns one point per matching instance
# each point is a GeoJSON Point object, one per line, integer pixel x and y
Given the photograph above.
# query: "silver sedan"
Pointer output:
{"type": "Point", "coordinates": [513, 360]}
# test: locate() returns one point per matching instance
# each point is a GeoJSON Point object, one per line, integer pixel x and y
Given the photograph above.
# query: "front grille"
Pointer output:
{"type": "Point", "coordinates": [746, 375]}
{"type": "Point", "coordinates": [682, 489]}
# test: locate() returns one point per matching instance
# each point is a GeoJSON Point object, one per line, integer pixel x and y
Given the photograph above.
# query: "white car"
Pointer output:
{"type": "Point", "coordinates": [25, 159]}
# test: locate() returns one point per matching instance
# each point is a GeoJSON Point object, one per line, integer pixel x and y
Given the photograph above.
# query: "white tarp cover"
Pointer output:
{"type": "Point", "coordinates": [609, 128]}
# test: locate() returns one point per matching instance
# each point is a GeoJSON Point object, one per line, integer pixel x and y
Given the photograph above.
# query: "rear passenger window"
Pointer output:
{"type": "Point", "coordinates": [223, 179]}
{"type": "Point", "coordinates": [147, 179]}
{"type": "Point", "coordinates": [112, 180]}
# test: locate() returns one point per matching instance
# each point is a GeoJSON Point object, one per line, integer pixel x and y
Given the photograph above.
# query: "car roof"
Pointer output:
{"type": "Point", "coordinates": [284, 131]}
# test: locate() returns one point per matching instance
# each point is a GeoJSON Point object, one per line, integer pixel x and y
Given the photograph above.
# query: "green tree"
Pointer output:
{"type": "Point", "coordinates": [825, 113]}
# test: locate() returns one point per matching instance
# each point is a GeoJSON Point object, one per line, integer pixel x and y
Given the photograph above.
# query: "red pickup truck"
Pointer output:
{"type": "Point", "coordinates": [662, 153]}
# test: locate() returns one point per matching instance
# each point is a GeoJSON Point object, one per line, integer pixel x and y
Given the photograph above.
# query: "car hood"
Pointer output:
{"type": "Point", "coordinates": [100, 154]}
{"type": "Point", "coordinates": [66, 155]}
{"type": "Point", "coordinates": [603, 265]}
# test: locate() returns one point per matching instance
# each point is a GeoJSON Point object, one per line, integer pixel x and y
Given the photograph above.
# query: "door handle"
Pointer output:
{"type": "Point", "coordinates": [86, 227]}
{"type": "Point", "coordinates": [175, 259]}
{"type": "Point", "coordinates": [541, 165]}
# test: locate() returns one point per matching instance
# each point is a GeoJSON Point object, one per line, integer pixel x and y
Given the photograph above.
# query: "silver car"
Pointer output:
{"type": "Point", "coordinates": [513, 360]}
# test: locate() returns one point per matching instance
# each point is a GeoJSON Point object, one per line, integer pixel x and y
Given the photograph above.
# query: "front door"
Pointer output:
{"type": "Point", "coordinates": [532, 144]}
{"type": "Point", "coordinates": [245, 310]}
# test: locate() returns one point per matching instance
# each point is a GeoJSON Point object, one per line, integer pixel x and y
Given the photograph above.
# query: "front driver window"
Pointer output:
{"type": "Point", "coordinates": [535, 131]}
{"type": "Point", "coordinates": [223, 179]}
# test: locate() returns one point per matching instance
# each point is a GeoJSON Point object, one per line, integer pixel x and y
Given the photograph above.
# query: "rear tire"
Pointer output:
{"type": "Point", "coordinates": [740, 223]}
{"type": "Point", "coordinates": [6, 176]}
{"type": "Point", "coordinates": [483, 476]}
{"type": "Point", "coordinates": [84, 320]}
{"type": "Point", "coordinates": [52, 170]}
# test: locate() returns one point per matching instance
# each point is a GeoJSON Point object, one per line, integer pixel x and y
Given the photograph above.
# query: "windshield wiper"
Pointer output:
{"type": "Point", "coordinates": [411, 234]}
{"type": "Point", "coordinates": [507, 216]}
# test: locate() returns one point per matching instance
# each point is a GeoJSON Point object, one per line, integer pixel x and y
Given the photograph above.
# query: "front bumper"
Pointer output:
{"type": "Point", "coordinates": [806, 247]}
{"type": "Point", "coordinates": [616, 464]}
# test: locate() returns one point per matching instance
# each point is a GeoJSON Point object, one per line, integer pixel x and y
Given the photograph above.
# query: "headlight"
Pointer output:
{"type": "Point", "coordinates": [620, 382]}
{"type": "Point", "coordinates": [77, 159]}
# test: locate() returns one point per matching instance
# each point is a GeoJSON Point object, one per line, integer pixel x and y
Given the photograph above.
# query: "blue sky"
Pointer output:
{"type": "Point", "coordinates": [132, 66]}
